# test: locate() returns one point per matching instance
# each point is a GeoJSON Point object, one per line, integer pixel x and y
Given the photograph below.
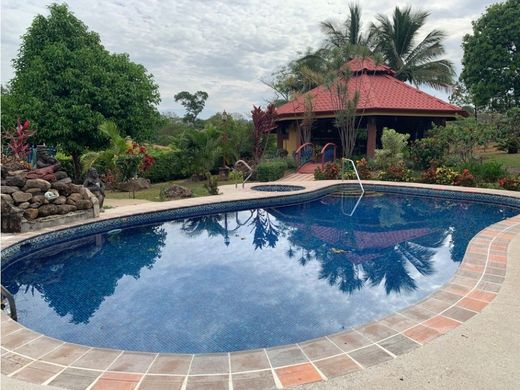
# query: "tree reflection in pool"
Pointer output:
{"type": "Point", "coordinates": [249, 279]}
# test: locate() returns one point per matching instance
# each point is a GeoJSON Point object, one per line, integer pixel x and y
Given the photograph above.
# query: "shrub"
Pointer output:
{"type": "Point", "coordinates": [490, 171]}
{"type": "Point", "coordinates": [270, 170]}
{"type": "Point", "coordinates": [428, 151]}
{"type": "Point", "coordinates": [429, 176]}
{"type": "Point", "coordinates": [465, 179]}
{"type": "Point", "coordinates": [394, 145]}
{"type": "Point", "coordinates": [509, 134]}
{"type": "Point", "coordinates": [363, 169]}
{"type": "Point", "coordinates": [330, 171]}
{"type": "Point", "coordinates": [446, 176]}
{"type": "Point", "coordinates": [66, 163]}
{"type": "Point", "coordinates": [168, 166]}
{"type": "Point", "coordinates": [211, 185]}
{"type": "Point", "coordinates": [510, 183]}
{"type": "Point", "coordinates": [396, 173]}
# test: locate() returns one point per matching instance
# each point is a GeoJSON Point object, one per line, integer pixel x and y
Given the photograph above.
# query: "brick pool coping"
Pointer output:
{"type": "Point", "coordinates": [32, 357]}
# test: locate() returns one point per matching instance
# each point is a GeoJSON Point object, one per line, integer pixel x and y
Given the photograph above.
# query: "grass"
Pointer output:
{"type": "Point", "coordinates": [153, 192]}
{"type": "Point", "coordinates": [509, 161]}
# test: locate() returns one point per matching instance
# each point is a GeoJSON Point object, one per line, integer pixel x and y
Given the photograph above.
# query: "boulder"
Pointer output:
{"type": "Point", "coordinates": [61, 175]}
{"type": "Point", "coordinates": [30, 213]}
{"type": "Point", "coordinates": [24, 205]}
{"type": "Point", "coordinates": [20, 196]}
{"type": "Point", "coordinates": [7, 198]}
{"type": "Point", "coordinates": [65, 208]}
{"type": "Point", "coordinates": [15, 181]}
{"type": "Point", "coordinates": [84, 204]}
{"type": "Point", "coordinates": [176, 192]}
{"type": "Point", "coordinates": [43, 185]}
{"type": "Point", "coordinates": [34, 191]}
{"type": "Point", "coordinates": [60, 200]}
{"type": "Point", "coordinates": [75, 188]}
{"type": "Point", "coordinates": [9, 189]}
{"type": "Point", "coordinates": [35, 205]}
{"type": "Point", "coordinates": [11, 217]}
{"type": "Point", "coordinates": [51, 195]}
{"type": "Point", "coordinates": [47, 209]}
{"type": "Point", "coordinates": [39, 199]}
{"type": "Point", "coordinates": [74, 198]}
{"type": "Point", "coordinates": [67, 180]}
{"type": "Point", "coordinates": [134, 185]}
{"type": "Point", "coordinates": [63, 188]}
{"type": "Point", "coordinates": [45, 173]}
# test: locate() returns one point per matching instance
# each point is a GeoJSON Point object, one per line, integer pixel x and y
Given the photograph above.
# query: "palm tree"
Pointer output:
{"type": "Point", "coordinates": [348, 33]}
{"type": "Point", "coordinates": [396, 39]}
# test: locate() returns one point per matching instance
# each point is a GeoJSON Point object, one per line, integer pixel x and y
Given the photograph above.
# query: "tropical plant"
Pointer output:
{"type": "Point", "coordinates": [348, 33]}
{"type": "Point", "coordinates": [428, 151]}
{"type": "Point", "coordinates": [509, 132]}
{"type": "Point", "coordinates": [396, 39]}
{"type": "Point", "coordinates": [199, 150]}
{"type": "Point", "coordinates": [491, 57]}
{"type": "Point", "coordinates": [18, 140]}
{"type": "Point", "coordinates": [465, 179]}
{"type": "Point", "coordinates": [510, 183]}
{"type": "Point", "coordinates": [263, 123]}
{"type": "Point", "coordinates": [211, 185]}
{"type": "Point", "coordinates": [66, 83]}
{"type": "Point", "coordinates": [394, 145]}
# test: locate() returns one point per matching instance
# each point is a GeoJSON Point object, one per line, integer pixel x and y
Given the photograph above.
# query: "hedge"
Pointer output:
{"type": "Point", "coordinates": [270, 170]}
{"type": "Point", "coordinates": [167, 166]}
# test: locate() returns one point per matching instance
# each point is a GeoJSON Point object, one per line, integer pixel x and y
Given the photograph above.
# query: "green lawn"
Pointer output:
{"type": "Point", "coordinates": [510, 161]}
{"type": "Point", "coordinates": [152, 193]}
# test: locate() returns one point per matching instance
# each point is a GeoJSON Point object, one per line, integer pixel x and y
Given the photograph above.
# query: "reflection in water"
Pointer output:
{"type": "Point", "coordinates": [247, 279]}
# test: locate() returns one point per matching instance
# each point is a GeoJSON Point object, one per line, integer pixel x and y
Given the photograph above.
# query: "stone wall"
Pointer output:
{"type": "Point", "coordinates": [28, 201]}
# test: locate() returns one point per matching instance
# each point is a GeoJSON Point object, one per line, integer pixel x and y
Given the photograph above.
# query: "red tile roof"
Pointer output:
{"type": "Point", "coordinates": [380, 93]}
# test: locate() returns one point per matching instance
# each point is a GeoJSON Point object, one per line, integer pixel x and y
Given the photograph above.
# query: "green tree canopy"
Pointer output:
{"type": "Point", "coordinates": [67, 83]}
{"type": "Point", "coordinates": [491, 62]}
{"type": "Point", "coordinates": [193, 103]}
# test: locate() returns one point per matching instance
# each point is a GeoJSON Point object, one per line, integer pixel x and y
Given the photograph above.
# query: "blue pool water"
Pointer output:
{"type": "Point", "coordinates": [250, 279]}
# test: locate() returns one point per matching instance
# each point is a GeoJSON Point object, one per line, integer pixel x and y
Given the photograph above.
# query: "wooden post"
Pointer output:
{"type": "Point", "coordinates": [371, 139]}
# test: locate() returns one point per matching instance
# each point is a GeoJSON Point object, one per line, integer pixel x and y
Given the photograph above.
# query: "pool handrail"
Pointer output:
{"type": "Point", "coordinates": [343, 160]}
{"type": "Point", "coordinates": [248, 176]}
{"type": "Point", "coordinates": [10, 300]}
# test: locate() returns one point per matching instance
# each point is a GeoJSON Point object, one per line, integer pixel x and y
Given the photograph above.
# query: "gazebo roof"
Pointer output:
{"type": "Point", "coordinates": [380, 93]}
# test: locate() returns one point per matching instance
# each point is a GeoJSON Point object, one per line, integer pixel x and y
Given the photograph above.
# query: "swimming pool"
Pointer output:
{"type": "Point", "coordinates": [247, 279]}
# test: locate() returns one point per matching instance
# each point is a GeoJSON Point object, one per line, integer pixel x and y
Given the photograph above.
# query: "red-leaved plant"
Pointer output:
{"type": "Point", "coordinates": [18, 140]}
{"type": "Point", "coordinates": [263, 123]}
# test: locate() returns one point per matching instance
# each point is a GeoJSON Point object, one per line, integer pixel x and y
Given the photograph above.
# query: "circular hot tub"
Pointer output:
{"type": "Point", "coordinates": [277, 188]}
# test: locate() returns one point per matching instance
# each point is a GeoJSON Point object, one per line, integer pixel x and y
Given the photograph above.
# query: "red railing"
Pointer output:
{"type": "Point", "coordinates": [304, 154]}
{"type": "Point", "coordinates": [328, 153]}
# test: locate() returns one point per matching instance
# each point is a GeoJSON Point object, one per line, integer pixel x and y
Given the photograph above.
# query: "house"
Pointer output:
{"type": "Point", "coordinates": [384, 101]}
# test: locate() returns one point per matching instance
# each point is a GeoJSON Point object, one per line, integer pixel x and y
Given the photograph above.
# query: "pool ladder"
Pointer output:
{"type": "Point", "coordinates": [343, 161]}
{"type": "Point", "coordinates": [250, 173]}
{"type": "Point", "coordinates": [10, 299]}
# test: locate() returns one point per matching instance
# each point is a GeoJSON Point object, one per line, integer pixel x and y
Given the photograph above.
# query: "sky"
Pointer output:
{"type": "Point", "coordinates": [223, 47]}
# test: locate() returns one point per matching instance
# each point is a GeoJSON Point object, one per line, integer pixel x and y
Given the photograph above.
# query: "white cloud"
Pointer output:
{"type": "Point", "coordinates": [224, 47]}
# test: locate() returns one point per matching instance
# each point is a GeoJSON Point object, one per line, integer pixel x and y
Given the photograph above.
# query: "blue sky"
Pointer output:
{"type": "Point", "coordinates": [224, 47]}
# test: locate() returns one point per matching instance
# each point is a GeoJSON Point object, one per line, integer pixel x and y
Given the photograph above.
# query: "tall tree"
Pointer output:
{"type": "Point", "coordinates": [193, 103]}
{"type": "Point", "coordinates": [491, 62]}
{"type": "Point", "coordinates": [348, 33]}
{"type": "Point", "coordinates": [396, 39]}
{"type": "Point", "coordinates": [66, 83]}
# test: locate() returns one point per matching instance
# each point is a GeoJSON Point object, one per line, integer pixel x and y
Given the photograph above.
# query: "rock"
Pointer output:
{"type": "Point", "coordinates": [51, 195]}
{"type": "Point", "coordinates": [63, 188]}
{"type": "Point", "coordinates": [34, 191]}
{"type": "Point", "coordinates": [11, 217]}
{"type": "Point", "coordinates": [84, 204]}
{"type": "Point", "coordinates": [9, 189]}
{"type": "Point", "coordinates": [47, 209]}
{"type": "Point", "coordinates": [7, 198]}
{"type": "Point", "coordinates": [35, 205]}
{"type": "Point", "coordinates": [39, 199]}
{"type": "Point", "coordinates": [134, 185]}
{"type": "Point", "coordinates": [67, 180]}
{"type": "Point", "coordinates": [30, 213]}
{"type": "Point", "coordinates": [20, 197]}
{"type": "Point", "coordinates": [15, 181]}
{"type": "Point", "coordinates": [176, 192]}
{"type": "Point", "coordinates": [61, 175]}
{"type": "Point", "coordinates": [24, 205]}
{"type": "Point", "coordinates": [75, 188]}
{"type": "Point", "coordinates": [65, 208]}
{"type": "Point", "coordinates": [4, 171]}
{"type": "Point", "coordinates": [43, 185]}
{"type": "Point", "coordinates": [60, 200]}
{"type": "Point", "coordinates": [45, 173]}
{"type": "Point", "coordinates": [74, 198]}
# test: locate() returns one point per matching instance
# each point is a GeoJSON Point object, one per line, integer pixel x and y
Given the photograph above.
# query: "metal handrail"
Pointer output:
{"type": "Point", "coordinates": [298, 153]}
{"type": "Point", "coordinates": [248, 176]}
{"type": "Point", "coordinates": [355, 170]}
{"type": "Point", "coordinates": [355, 206]}
{"type": "Point", "coordinates": [12, 304]}
{"type": "Point", "coordinates": [322, 153]}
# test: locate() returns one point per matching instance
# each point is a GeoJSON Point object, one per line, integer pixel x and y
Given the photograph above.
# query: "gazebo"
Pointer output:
{"type": "Point", "coordinates": [384, 101]}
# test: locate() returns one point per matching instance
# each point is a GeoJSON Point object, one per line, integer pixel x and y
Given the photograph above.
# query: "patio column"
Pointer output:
{"type": "Point", "coordinates": [371, 139]}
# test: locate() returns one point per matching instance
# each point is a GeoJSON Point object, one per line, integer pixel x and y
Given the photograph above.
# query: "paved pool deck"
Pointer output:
{"type": "Point", "coordinates": [477, 314]}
